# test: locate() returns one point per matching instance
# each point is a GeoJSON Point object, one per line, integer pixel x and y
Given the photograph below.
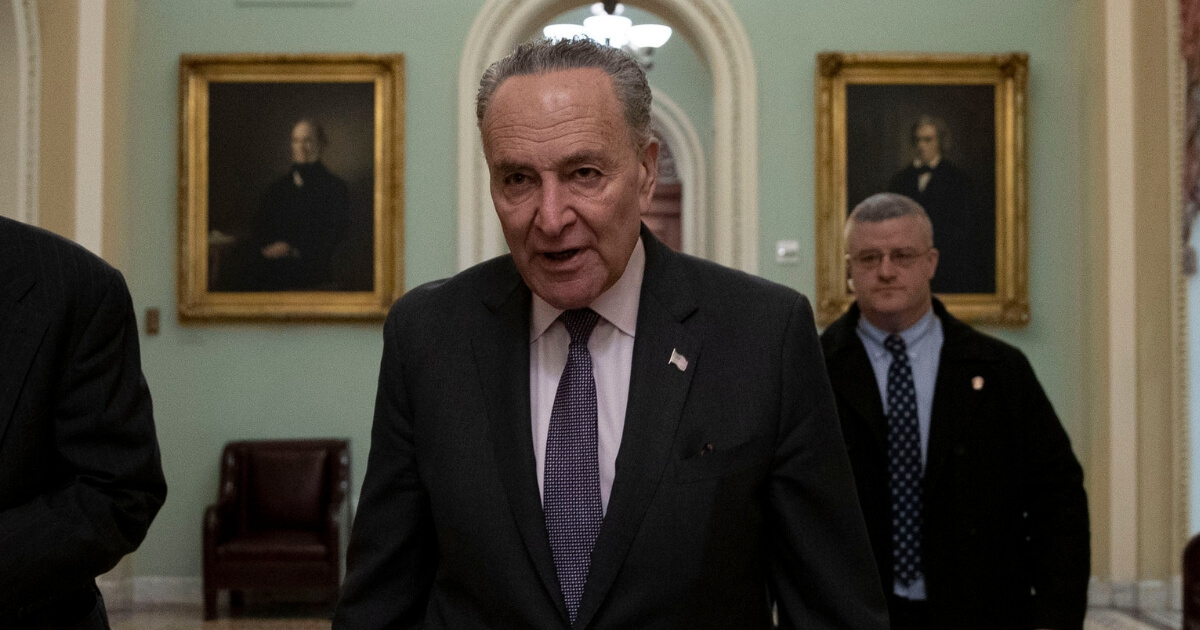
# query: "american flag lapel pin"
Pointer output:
{"type": "Point", "coordinates": [678, 360]}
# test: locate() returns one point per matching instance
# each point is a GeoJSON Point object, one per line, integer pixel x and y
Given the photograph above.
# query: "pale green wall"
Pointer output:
{"type": "Point", "coordinates": [214, 383]}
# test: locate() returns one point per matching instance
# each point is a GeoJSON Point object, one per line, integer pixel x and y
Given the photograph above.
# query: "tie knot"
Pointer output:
{"type": "Point", "coordinates": [895, 345]}
{"type": "Point", "coordinates": [579, 323]}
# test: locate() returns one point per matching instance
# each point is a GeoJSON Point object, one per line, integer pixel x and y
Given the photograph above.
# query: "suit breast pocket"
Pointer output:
{"type": "Point", "coordinates": [722, 461]}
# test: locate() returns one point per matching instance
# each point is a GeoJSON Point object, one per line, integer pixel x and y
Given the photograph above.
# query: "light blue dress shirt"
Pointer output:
{"type": "Point", "coordinates": [923, 342]}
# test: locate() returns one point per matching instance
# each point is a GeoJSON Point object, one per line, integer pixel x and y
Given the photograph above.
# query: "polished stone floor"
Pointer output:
{"type": "Point", "coordinates": [189, 618]}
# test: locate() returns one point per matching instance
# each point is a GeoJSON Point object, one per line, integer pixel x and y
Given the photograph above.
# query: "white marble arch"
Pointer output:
{"type": "Point", "coordinates": [26, 40]}
{"type": "Point", "coordinates": [680, 134]}
{"type": "Point", "coordinates": [713, 28]}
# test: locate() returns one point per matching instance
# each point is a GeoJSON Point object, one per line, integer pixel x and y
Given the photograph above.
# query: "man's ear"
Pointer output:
{"type": "Point", "coordinates": [933, 269]}
{"type": "Point", "coordinates": [649, 169]}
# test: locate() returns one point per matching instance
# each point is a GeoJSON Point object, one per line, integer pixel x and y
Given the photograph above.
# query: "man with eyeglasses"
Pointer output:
{"type": "Point", "coordinates": [973, 498]}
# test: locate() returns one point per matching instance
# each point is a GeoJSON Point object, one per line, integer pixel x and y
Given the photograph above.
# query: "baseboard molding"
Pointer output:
{"type": "Point", "coordinates": [161, 589]}
{"type": "Point", "coordinates": [1149, 595]}
{"type": "Point", "coordinates": [117, 591]}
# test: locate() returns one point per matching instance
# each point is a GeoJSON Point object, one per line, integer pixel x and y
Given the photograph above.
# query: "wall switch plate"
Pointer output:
{"type": "Point", "coordinates": [153, 318]}
{"type": "Point", "coordinates": [787, 252]}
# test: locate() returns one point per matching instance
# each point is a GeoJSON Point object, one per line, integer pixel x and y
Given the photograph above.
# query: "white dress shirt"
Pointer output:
{"type": "Point", "coordinates": [923, 178]}
{"type": "Point", "coordinates": [611, 347]}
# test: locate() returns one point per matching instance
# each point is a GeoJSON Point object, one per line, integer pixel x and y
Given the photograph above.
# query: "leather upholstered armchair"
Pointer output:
{"type": "Point", "coordinates": [280, 520]}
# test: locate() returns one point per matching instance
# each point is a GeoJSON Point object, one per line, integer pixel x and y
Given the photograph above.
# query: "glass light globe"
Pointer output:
{"type": "Point", "coordinates": [611, 28]}
{"type": "Point", "coordinates": [563, 31]}
{"type": "Point", "coordinates": [649, 35]}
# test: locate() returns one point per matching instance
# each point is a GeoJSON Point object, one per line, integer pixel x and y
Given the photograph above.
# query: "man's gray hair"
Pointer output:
{"type": "Point", "coordinates": [544, 55]}
{"type": "Point", "coordinates": [883, 206]}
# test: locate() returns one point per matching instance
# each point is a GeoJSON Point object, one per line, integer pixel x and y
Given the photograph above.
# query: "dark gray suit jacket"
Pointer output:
{"type": "Point", "coordinates": [450, 531]}
{"type": "Point", "coordinates": [80, 476]}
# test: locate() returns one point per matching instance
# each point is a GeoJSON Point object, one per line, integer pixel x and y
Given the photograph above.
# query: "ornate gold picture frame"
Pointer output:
{"type": "Point", "coordinates": [872, 112]}
{"type": "Point", "coordinates": [291, 186]}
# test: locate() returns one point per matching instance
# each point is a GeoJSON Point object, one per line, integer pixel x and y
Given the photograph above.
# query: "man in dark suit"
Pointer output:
{"type": "Point", "coordinates": [80, 477]}
{"type": "Point", "coordinates": [595, 431]}
{"type": "Point", "coordinates": [966, 229]}
{"type": "Point", "coordinates": [973, 498]}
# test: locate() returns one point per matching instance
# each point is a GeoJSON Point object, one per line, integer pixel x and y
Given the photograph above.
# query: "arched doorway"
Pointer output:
{"type": "Point", "coordinates": [714, 30]}
{"type": "Point", "coordinates": [20, 85]}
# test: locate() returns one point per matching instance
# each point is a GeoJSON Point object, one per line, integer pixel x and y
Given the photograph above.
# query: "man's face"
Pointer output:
{"type": "Point", "coordinates": [891, 296]}
{"type": "Point", "coordinates": [927, 143]}
{"type": "Point", "coordinates": [306, 145]}
{"type": "Point", "coordinates": [568, 183]}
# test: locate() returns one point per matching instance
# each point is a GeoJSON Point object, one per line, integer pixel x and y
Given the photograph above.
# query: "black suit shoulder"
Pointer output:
{"type": "Point", "coordinates": [45, 255]}
{"type": "Point", "coordinates": [56, 278]}
{"type": "Point", "coordinates": [724, 298]}
{"type": "Point", "coordinates": [446, 301]}
{"type": "Point", "coordinates": [963, 341]}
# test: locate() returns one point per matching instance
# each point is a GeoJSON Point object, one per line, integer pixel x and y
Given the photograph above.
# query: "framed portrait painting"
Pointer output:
{"type": "Point", "coordinates": [291, 195]}
{"type": "Point", "coordinates": [949, 132]}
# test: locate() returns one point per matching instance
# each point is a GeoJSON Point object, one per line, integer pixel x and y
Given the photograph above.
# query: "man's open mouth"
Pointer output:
{"type": "Point", "coordinates": [565, 254]}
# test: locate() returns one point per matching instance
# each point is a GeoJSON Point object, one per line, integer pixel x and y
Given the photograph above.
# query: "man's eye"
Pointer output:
{"type": "Point", "coordinates": [587, 172]}
{"type": "Point", "coordinates": [516, 179]}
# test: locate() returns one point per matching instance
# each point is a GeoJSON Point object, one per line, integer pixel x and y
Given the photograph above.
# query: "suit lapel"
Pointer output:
{"type": "Point", "coordinates": [657, 392]}
{"type": "Point", "coordinates": [20, 335]}
{"type": "Point", "coordinates": [502, 357]}
{"type": "Point", "coordinates": [853, 379]}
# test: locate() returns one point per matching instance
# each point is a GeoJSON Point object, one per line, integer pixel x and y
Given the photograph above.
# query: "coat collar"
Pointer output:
{"type": "Point", "coordinates": [853, 380]}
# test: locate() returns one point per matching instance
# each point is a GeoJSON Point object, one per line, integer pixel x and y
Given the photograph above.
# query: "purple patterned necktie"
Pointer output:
{"type": "Point", "coordinates": [904, 464]}
{"type": "Point", "coordinates": [571, 479]}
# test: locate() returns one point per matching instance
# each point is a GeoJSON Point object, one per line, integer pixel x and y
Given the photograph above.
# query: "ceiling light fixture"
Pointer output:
{"type": "Point", "coordinates": [607, 25]}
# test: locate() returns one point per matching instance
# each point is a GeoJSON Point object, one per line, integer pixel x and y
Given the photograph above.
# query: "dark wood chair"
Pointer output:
{"type": "Point", "coordinates": [280, 520]}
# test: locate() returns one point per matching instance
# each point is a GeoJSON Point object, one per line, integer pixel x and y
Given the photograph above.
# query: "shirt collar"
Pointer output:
{"type": "Point", "coordinates": [911, 335]}
{"type": "Point", "coordinates": [618, 305]}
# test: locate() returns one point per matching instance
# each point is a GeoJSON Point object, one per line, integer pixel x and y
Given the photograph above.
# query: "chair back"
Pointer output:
{"type": "Point", "coordinates": [284, 484]}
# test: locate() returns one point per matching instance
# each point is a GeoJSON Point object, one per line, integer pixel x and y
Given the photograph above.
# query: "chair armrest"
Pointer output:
{"type": "Point", "coordinates": [218, 524]}
{"type": "Point", "coordinates": [212, 529]}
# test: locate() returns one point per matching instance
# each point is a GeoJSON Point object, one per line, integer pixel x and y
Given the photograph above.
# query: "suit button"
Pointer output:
{"type": "Point", "coordinates": [960, 450]}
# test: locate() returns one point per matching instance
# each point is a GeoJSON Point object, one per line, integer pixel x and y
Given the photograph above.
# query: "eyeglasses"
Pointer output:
{"type": "Point", "coordinates": [903, 258]}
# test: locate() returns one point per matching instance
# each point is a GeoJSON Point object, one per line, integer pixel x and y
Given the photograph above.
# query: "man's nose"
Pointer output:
{"type": "Point", "coordinates": [554, 210]}
{"type": "Point", "coordinates": [887, 267]}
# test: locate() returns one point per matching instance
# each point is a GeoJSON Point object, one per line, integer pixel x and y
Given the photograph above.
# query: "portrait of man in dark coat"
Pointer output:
{"type": "Point", "coordinates": [291, 181]}
{"type": "Point", "coordinates": [966, 234]}
{"type": "Point", "coordinates": [303, 218]}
